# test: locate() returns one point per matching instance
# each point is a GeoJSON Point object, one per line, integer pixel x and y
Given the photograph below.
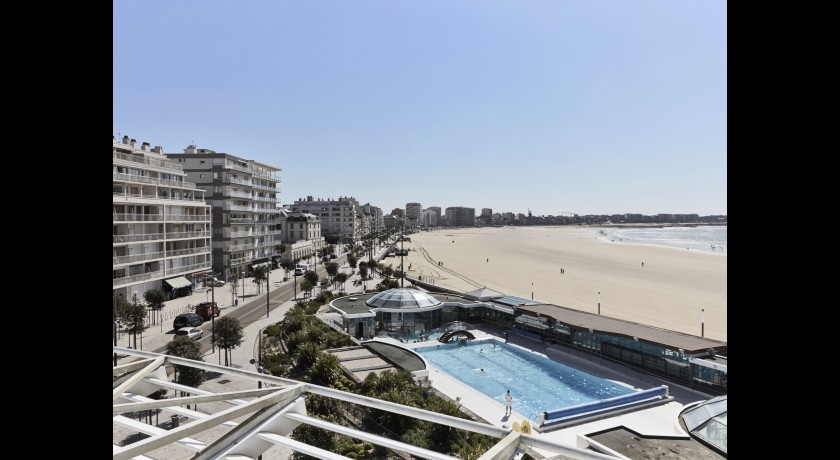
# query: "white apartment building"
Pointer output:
{"type": "Point", "coordinates": [162, 227]}
{"type": "Point", "coordinates": [244, 197]}
{"type": "Point", "coordinates": [301, 234]}
{"type": "Point", "coordinates": [340, 219]}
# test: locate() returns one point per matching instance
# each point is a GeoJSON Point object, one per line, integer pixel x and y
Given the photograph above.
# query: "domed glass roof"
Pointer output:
{"type": "Point", "coordinates": [402, 298]}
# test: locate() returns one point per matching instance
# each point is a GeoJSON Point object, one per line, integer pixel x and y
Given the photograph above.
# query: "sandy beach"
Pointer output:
{"type": "Point", "coordinates": [669, 291]}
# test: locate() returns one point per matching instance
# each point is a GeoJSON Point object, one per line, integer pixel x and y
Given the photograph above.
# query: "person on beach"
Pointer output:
{"type": "Point", "coordinates": [643, 264]}
{"type": "Point", "coordinates": [508, 402]}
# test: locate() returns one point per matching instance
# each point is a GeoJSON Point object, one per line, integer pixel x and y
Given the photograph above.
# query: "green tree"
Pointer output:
{"type": "Point", "coordinates": [306, 286]}
{"type": "Point", "coordinates": [183, 347]}
{"type": "Point", "coordinates": [326, 369]}
{"type": "Point", "coordinates": [307, 353]}
{"type": "Point", "coordinates": [363, 270]}
{"type": "Point", "coordinates": [341, 278]}
{"type": "Point", "coordinates": [227, 335]}
{"type": "Point", "coordinates": [155, 300]}
{"type": "Point", "coordinates": [388, 271]}
{"type": "Point", "coordinates": [260, 275]}
{"type": "Point", "coordinates": [352, 261]}
{"type": "Point", "coordinates": [132, 315]}
{"type": "Point", "coordinates": [332, 269]}
{"type": "Point", "coordinates": [311, 276]}
{"type": "Point", "coordinates": [233, 282]}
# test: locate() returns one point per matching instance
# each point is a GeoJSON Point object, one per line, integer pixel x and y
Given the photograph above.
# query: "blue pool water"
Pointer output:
{"type": "Point", "coordinates": [537, 383]}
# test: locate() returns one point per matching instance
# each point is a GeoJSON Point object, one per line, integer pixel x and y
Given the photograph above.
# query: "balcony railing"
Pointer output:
{"type": "Point", "coordinates": [184, 235]}
{"type": "Point", "coordinates": [231, 207]}
{"type": "Point", "coordinates": [189, 251]}
{"type": "Point", "coordinates": [122, 217]}
{"type": "Point", "coordinates": [148, 161]}
{"type": "Point", "coordinates": [119, 260]}
{"type": "Point", "coordinates": [187, 217]}
{"type": "Point", "coordinates": [137, 278]}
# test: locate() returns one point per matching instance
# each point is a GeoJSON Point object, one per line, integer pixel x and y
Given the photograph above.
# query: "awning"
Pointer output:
{"type": "Point", "coordinates": [178, 282]}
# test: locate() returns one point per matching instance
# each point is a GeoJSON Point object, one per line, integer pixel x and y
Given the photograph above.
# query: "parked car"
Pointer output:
{"type": "Point", "coordinates": [215, 282]}
{"type": "Point", "coordinates": [332, 256]}
{"type": "Point", "coordinates": [207, 310]}
{"type": "Point", "coordinates": [190, 332]}
{"type": "Point", "coordinates": [186, 319]}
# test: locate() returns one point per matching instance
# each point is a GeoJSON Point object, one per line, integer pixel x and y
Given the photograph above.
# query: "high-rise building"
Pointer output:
{"type": "Point", "coordinates": [340, 219]}
{"type": "Point", "coordinates": [244, 197]}
{"type": "Point", "coordinates": [162, 227]}
{"type": "Point", "coordinates": [412, 214]}
{"type": "Point", "coordinates": [458, 216]}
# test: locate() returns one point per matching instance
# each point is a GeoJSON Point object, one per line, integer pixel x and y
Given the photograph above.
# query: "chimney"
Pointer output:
{"type": "Point", "coordinates": [132, 142]}
{"type": "Point", "coordinates": [158, 149]}
{"type": "Point", "coordinates": [125, 140]}
{"type": "Point", "coordinates": [190, 149]}
{"type": "Point", "coordinates": [145, 146]}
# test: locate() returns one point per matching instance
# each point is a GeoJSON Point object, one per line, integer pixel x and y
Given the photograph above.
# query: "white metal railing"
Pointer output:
{"type": "Point", "coordinates": [181, 235]}
{"type": "Point", "coordinates": [234, 180]}
{"type": "Point", "coordinates": [187, 217]}
{"type": "Point", "coordinates": [188, 251]}
{"type": "Point", "coordinates": [118, 217]}
{"type": "Point", "coordinates": [136, 278]}
{"type": "Point", "coordinates": [148, 161]}
{"type": "Point", "coordinates": [231, 207]}
{"type": "Point", "coordinates": [138, 237]}
{"type": "Point", "coordinates": [119, 260]}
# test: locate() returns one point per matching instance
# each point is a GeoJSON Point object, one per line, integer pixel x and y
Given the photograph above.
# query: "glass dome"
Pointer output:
{"type": "Point", "coordinates": [402, 298]}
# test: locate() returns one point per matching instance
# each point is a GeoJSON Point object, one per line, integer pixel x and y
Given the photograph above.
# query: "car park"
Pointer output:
{"type": "Point", "coordinates": [186, 319]}
{"type": "Point", "coordinates": [190, 332]}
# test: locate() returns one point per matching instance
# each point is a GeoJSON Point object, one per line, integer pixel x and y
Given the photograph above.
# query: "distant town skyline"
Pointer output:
{"type": "Point", "coordinates": [558, 107]}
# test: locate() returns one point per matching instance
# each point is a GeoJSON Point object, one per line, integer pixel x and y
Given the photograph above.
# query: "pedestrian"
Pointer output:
{"type": "Point", "coordinates": [488, 260]}
{"type": "Point", "coordinates": [508, 402]}
{"type": "Point", "coordinates": [643, 264]}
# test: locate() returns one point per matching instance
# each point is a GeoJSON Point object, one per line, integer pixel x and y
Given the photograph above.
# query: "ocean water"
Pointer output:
{"type": "Point", "coordinates": [709, 238]}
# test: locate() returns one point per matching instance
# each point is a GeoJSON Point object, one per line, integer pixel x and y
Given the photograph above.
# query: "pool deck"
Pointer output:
{"type": "Point", "coordinates": [658, 421]}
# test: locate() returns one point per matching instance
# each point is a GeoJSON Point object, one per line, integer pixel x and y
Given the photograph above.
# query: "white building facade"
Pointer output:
{"type": "Point", "coordinates": [162, 225]}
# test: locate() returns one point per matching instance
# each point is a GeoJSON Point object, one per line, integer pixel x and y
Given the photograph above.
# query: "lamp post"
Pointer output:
{"type": "Point", "coordinates": [599, 302]}
{"type": "Point", "coordinates": [242, 280]}
{"type": "Point", "coordinates": [702, 322]}
{"type": "Point", "coordinates": [267, 287]}
{"type": "Point", "coordinates": [213, 317]}
{"type": "Point", "coordinates": [115, 326]}
{"type": "Point", "coordinates": [296, 275]}
{"type": "Point", "coordinates": [532, 291]}
{"type": "Point", "coordinates": [134, 301]}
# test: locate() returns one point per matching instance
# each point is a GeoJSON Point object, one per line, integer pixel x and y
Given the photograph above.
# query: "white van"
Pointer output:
{"type": "Point", "coordinates": [300, 270]}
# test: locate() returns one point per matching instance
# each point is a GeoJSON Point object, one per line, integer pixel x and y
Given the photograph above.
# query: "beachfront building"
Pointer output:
{"type": "Point", "coordinates": [162, 224]}
{"type": "Point", "coordinates": [301, 235]}
{"type": "Point", "coordinates": [243, 195]}
{"type": "Point", "coordinates": [431, 217]}
{"type": "Point", "coordinates": [407, 313]}
{"type": "Point", "coordinates": [340, 219]}
{"type": "Point", "coordinates": [412, 215]}
{"type": "Point", "coordinates": [458, 216]}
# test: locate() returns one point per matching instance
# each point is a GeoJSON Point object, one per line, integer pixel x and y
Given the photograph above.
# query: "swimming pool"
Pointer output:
{"type": "Point", "coordinates": [537, 383]}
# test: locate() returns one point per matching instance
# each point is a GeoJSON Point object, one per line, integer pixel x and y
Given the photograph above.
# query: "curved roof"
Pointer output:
{"type": "Point", "coordinates": [400, 298]}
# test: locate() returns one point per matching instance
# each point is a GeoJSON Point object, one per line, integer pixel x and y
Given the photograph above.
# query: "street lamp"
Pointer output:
{"type": "Point", "coordinates": [115, 325]}
{"type": "Point", "coordinates": [702, 321]}
{"type": "Point", "coordinates": [532, 291]}
{"type": "Point", "coordinates": [599, 302]}
{"type": "Point", "coordinates": [213, 317]}
{"type": "Point", "coordinates": [267, 287]}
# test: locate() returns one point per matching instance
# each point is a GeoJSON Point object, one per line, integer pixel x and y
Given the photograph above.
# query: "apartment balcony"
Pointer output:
{"type": "Point", "coordinates": [134, 258]}
{"type": "Point", "coordinates": [148, 161]}
{"type": "Point", "coordinates": [239, 247]}
{"type": "Point", "coordinates": [187, 218]}
{"type": "Point", "coordinates": [121, 217]}
{"type": "Point", "coordinates": [242, 195]}
{"type": "Point", "coordinates": [186, 235]}
{"type": "Point", "coordinates": [232, 180]}
{"type": "Point", "coordinates": [242, 220]}
{"type": "Point", "coordinates": [236, 167]}
{"type": "Point", "coordinates": [230, 207]}
{"type": "Point", "coordinates": [264, 188]}
{"type": "Point", "coordinates": [137, 179]}
{"type": "Point", "coordinates": [119, 282]}
{"type": "Point", "coordinates": [239, 235]}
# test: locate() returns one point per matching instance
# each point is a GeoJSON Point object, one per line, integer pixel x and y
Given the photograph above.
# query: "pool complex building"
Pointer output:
{"type": "Point", "coordinates": [413, 314]}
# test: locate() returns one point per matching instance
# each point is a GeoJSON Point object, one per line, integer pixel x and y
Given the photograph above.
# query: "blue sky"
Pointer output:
{"type": "Point", "coordinates": [557, 106]}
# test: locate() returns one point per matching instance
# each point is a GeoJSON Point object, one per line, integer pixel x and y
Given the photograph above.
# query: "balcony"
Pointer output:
{"type": "Point", "coordinates": [148, 161]}
{"type": "Point", "coordinates": [187, 218]}
{"type": "Point", "coordinates": [118, 217]}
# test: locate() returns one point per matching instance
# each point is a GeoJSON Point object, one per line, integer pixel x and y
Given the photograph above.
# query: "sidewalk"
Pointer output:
{"type": "Point", "coordinates": [160, 332]}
